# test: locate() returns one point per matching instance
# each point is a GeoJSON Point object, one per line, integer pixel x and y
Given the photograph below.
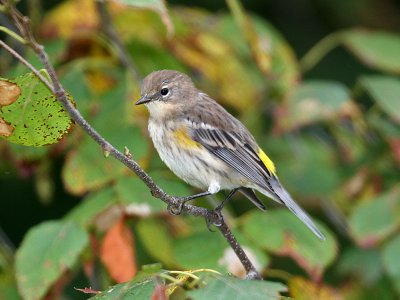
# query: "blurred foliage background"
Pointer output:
{"type": "Point", "coordinates": [316, 82]}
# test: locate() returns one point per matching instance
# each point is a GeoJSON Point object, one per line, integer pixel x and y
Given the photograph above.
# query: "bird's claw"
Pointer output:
{"type": "Point", "coordinates": [215, 218]}
{"type": "Point", "coordinates": [175, 209]}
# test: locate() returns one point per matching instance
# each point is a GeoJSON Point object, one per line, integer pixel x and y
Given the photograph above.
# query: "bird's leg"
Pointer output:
{"type": "Point", "coordinates": [218, 210]}
{"type": "Point", "coordinates": [177, 210]}
{"type": "Point", "coordinates": [221, 206]}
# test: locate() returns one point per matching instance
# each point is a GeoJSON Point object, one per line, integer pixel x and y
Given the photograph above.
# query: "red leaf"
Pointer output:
{"type": "Point", "coordinates": [117, 252]}
{"type": "Point", "coordinates": [159, 293]}
{"type": "Point", "coordinates": [395, 146]}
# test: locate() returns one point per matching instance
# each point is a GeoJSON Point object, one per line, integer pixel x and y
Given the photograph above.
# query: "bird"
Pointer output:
{"type": "Point", "coordinates": [207, 147]}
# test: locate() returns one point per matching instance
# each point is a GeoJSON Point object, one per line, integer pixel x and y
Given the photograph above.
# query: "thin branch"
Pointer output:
{"type": "Point", "coordinates": [22, 23]}
{"type": "Point", "coordinates": [27, 64]}
{"type": "Point", "coordinates": [108, 27]}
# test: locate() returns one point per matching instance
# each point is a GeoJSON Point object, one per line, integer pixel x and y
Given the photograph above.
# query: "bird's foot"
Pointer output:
{"type": "Point", "coordinates": [176, 209]}
{"type": "Point", "coordinates": [214, 217]}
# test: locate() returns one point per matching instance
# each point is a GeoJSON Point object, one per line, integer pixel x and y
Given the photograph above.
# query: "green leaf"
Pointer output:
{"type": "Point", "coordinates": [282, 233]}
{"type": "Point", "coordinates": [283, 73]}
{"type": "Point", "coordinates": [156, 239]}
{"type": "Point", "coordinates": [391, 261]}
{"type": "Point", "coordinates": [171, 184]}
{"type": "Point", "coordinates": [315, 101]}
{"type": "Point", "coordinates": [382, 124]}
{"type": "Point", "coordinates": [377, 49]}
{"type": "Point", "coordinates": [200, 250]}
{"type": "Point", "coordinates": [127, 291]}
{"type": "Point", "coordinates": [133, 193]}
{"type": "Point", "coordinates": [91, 206]}
{"type": "Point", "coordinates": [86, 168]}
{"type": "Point", "coordinates": [150, 58]}
{"type": "Point", "coordinates": [230, 288]}
{"type": "Point", "coordinates": [156, 5]}
{"type": "Point", "coordinates": [385, 90]}
{"type": "Point", "coordinates": [296, 159]}
{"type": "Point", "coordinates": [36, 117]}
{"type": "Point", "coordinates": [364, 263]}
{"type": "Point", "coordinates": [373, 220]}
{"type": "Point", "coordinates": [8, 287]}
{"type": "Point", "coordinates": [153, 4]}
{"type": "Point", "coordinates": [47, 251]}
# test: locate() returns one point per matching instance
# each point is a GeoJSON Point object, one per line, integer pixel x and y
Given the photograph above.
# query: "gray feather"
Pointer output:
{"type": "Point", "coordinates": [249, 193]}
{"type": "Point", "coordinates": [287, 200]}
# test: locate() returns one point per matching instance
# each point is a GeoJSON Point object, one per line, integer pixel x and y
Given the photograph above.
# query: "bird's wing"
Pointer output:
{"type": "Point", "coordinates": [235, 151]}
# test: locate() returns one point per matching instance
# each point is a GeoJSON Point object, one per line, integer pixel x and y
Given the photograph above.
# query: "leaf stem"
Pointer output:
{"type": "Point", "coordinates": [12, 34]}
{"type": "Point", "coordinates": [319, 50]}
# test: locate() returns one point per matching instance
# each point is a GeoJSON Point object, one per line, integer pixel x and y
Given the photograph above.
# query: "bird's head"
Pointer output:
{"type": "Point", "coordinates": [166, 91]}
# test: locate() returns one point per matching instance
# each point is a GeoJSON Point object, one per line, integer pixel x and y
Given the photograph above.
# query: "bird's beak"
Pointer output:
{"type": "Point", "coordinates": [143, 100]}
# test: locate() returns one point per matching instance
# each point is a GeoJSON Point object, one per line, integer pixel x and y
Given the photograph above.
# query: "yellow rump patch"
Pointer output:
{"type": "Point", "coordinates": [183, 138]}
{"type": "Point", "coordinates": [267, 161]}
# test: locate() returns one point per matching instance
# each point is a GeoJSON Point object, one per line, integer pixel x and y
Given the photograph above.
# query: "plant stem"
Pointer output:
{"type": "Point", "coordinates": [317, 52]}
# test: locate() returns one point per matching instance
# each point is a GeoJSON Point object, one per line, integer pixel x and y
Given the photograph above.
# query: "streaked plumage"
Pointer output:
{"type": "Point", "coordinates": [206, 146]}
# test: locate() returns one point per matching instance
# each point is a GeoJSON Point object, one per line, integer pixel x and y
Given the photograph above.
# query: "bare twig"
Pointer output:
{"type": "Point", "coordinates": [22, 23]}
{"type": "Point", "coordinates": [108, 27]}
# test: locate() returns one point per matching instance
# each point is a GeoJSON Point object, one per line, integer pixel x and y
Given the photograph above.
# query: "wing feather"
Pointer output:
{"type": "Point", "coordinates": [234, 151]}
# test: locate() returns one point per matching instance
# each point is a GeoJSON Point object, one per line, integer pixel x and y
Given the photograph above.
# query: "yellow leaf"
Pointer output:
{"type": "Point", "coordinates": [303, 289]}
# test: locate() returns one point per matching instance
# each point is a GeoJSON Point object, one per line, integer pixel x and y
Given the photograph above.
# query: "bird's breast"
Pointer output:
{"type": "Point", "coordinates": [188, 159]}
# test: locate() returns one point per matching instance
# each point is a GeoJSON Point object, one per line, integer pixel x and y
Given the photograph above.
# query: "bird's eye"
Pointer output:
{"type": "Point", "coordinates": [164, 91]}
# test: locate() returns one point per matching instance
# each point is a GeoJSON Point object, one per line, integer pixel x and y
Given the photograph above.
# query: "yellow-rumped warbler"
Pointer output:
{"type": "Point", "coordinates": [206, 146]}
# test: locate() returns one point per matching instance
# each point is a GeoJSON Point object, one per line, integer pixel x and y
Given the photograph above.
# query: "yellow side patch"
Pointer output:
{"type": "Point", "coordinates": [183, 138]}
{"type": "Point", "coordinates": [267, 161]}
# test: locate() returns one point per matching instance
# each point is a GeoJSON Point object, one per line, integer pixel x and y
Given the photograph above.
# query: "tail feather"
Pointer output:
{"type": "Point", "coordinates": [249, 193]}
{"type": "Point", "coordinates": [284, 197]}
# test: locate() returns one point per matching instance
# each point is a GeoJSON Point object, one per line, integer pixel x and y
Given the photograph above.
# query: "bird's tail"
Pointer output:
{"type": "Point", "coordinates": [283, 197]}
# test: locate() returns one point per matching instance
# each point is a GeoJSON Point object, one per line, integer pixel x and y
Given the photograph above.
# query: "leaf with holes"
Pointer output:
{"type": "Point", "coordinates": [35, 118]}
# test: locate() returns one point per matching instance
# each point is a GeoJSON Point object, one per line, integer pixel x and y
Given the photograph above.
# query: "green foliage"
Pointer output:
{"type": "Point", "coordinates": [380, 50]}
{"type": "Point", "coordinates": [375, 219]}
{"type": "Point", "coordinates": [280, 232]}
{"type": "Point", "coordinates": [210, 285]}
{"type": "Point", "coordinates": [36, 117]}
{"type": "Point", "coordinates": [48, 250]}
{"type": "Point", "coordinates": [335, 139]}
{"type": "Point", "coordinates": [384, 90]}
{"type": "Point", "coordinates": [233, 288]}
{"type": "Point", "coordinates": [391, 261]}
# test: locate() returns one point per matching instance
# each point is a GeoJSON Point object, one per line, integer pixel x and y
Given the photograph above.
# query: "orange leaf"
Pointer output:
{"type": "Point", "coordinates": [9, 92]}
{"type": "Point", "coordinates": [5, 129]}
{"type": "Point", "coordinates": [117, 252]}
